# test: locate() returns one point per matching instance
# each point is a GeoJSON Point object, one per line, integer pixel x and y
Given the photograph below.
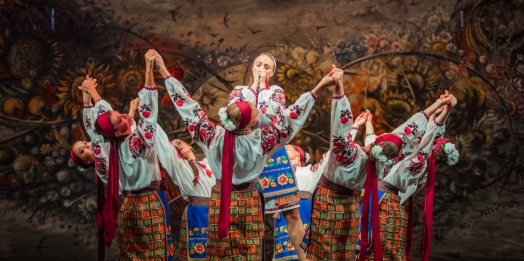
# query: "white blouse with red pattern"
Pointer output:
{"type": "Point", "coordinates": [181, 172]}
{"type": "Point", "coordinates": [251, 150]}
{"type": "Point", "coordinates": [138, 157]}
{"type": "Point", "coordinates": [270, 102]}
{"type": "Point", "coordinates": [411, 169]}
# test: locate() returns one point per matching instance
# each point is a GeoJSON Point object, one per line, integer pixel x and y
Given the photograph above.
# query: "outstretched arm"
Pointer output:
{"type": "Point", "coordinates": [202, 130]}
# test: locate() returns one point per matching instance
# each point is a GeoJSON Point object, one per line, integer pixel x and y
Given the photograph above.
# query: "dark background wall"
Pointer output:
{"type": "Point", "coordinates": [399, 56]}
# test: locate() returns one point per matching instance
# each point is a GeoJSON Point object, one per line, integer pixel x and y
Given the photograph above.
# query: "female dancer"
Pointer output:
{"type": "Point", "coordinates": [195, 180]}
{"type": "Point", "coordinates": [237, 155]}
{"type": "Point", "coordinates": [384, 148]}
{"type": "Point", "coordinates": [143, 223]}
{"type": "Point", "coordinates": [433, 149]}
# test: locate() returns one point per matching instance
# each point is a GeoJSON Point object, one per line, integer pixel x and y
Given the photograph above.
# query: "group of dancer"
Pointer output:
{"type": "Point", "coordinates": [347, 206]}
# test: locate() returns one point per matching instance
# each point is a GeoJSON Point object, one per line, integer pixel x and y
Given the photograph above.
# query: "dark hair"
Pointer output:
{"type": "Point", "coordinates": [441, 155]}
{"type": "Point", "coordinates": [389, 148]}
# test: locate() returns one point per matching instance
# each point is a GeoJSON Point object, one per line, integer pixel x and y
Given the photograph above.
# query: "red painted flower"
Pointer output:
{"type": "Point", "coordinates": [344, 120]}
{"type": "Point", "coordinates": [293, 115]}
{"type": "Point", "coordinates": [148, 135]}
{"type": "Point", "coordinates": [179, 103]}
{"type": "Point", "coordinates": [97, 151]}
{"type": "Point", "coordinates": [199, 248]}
{"type": "Point", "coordinates": [146, 114]}
{"type": "Point", "coordinates": [282, 179]}
{"type": "Point", "coordinates": [407, 130]}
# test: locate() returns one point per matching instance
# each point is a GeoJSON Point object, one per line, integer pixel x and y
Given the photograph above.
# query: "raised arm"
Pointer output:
{"type": "Point", "coordinates": [413, 167]}
{"type": "Point", "coordinates": [285, 126]}
{"type": "Point", "coordinates": [202, 130]}
{"type": "Point", "coordinates": [148, 109]}
{"type": "Point", "coordinates": [370, 130]}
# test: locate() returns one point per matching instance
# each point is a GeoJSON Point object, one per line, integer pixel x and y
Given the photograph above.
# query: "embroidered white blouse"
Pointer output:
{"type": "Point", "coordinates": [251, 150]}
{"type": "Point", "coordinates": [181, 172]}
{"type": "Point", "coordinates": [411, 169]}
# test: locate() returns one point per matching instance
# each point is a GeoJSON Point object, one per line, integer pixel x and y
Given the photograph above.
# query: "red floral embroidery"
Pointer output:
{"type": "Point", "coordinates": [407, 130]}
{"type": "Point", "coordinates": [191, 127]}
{"type": "Point", "coordinates": [179, 103]}
{"type": "Point", "coordinates": [148, 135]}
{"type": "Point", "coordinates": [136, 143]}
{"type": "Point", "coordinates": [263, 110]}
{"type": "Point", "coordinates": [340, 158]}
{"type": "Point", "coordinates": [344, 120]}
{"type": "Point", "coordinates": [146, 114]}
{"type": "Point", "coordinates": [293, 115]}
{"type": "Point", "coordinates": [97, 151]}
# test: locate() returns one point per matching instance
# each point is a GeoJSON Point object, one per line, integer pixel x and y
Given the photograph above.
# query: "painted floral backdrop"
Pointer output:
{"type": "Point", "coordinates": [399, 56]}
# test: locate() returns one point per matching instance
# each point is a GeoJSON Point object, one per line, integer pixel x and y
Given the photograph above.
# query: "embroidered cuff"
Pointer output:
{"type": "Point", "coordinates": [88, 106]}
{"type": "Point", "coordinates": [314, 95]}
{"type": "Point", "coordinates": [354, 128]}
{"type": "Point", "coordinates": [99, 99]}
{"type": "Point", "coordinates": [336, 97]}
{"type": "Point", "coordinates": [425, 115]}
{"type": "Point", "coordinates": [370, 134]}
{"type": "Point", "coordinates": [167, 77]}
{"type": "Point", "coordinates": [438, 124]}
{"type": "Point", "coordinates": [151, 88]}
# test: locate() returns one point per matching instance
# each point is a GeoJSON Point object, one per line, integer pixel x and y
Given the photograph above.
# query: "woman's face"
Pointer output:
{"type": "Point", "coordinates": [82, 150]}
{"type": "Point", "coordinates": [121, 122]}
{"type": "Point", "coordinates": [264, 63]}
{"type": "Point", "coordinates": [184, 149]}
{"type": "Point", "coordinates": [294, 155]}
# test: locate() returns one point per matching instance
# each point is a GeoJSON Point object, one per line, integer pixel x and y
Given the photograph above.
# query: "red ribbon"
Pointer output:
{"type": "Point", "coordinates": [371, 188]}
{"type": "Point", "coordinates": [108, 217]}
{"type": "Point", "coordinates": [410, 229]}
{"type": "Point", "coordinates": [427, 231]}
{"type": "Point", "coordinates": [390, 137]}
{"type": "Point", "coordinates": [228, 161]}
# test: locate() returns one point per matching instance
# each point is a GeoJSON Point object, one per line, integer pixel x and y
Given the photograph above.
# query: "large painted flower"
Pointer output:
{"type": "Point", "coordinates": [398, 107]}
{"type": "Point", "coordinates": [130, 77]}
{"type": "Point", "coordinates": [210, 99]}
{"type": "Point", "coordinates": [71, 97]}
{"type": "Point", "coordinates": [413, 77]}
{"type": "Point", "coordinates": [296, 79]}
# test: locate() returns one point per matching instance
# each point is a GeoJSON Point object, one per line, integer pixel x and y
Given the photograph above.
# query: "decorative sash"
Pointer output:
{"type": "Point", "coordinates": [197, 225]}
{"type": "Point", "coordinates": [277, 178]}
{"type": "Point", "coordinates": [283, 250]}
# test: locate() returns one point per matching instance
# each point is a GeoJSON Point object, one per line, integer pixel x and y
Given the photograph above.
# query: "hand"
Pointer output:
{"type": "Point", "coordinates": [150, 59]}
{"type": "Point", "coordinates": [453, 101]}
{"type": "Point", "coordinates": [88, 85]}
{"type": "Point", "coordinates": [135, 103]}
{"type": "Point", "coordinates": [158, 60]}
{"type": "Point", "coordinates": [445, 99]}
{"type": "Point", "coordinates": [361, 119]}
{"type": "Point", "coordinates": [369, 117]}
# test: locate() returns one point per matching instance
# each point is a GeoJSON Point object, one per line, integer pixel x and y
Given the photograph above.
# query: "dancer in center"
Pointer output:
{"type": "Point", "coordinates": [236, 155]}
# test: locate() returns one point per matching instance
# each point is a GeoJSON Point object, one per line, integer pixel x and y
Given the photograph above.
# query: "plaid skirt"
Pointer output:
{"type": "Point", "coordinates": [334, 225]}
{"type": "Point", "coordinates": [246, 229]}
{"type": "Point", "coordinates": [143, 228]}
{"type": "Point", "coordinates": [393, 229]}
